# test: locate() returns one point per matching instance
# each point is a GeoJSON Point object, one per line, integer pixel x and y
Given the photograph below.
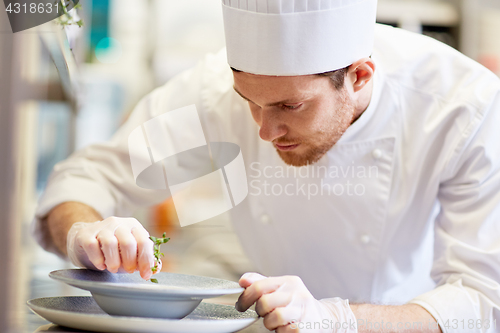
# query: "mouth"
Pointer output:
{"type": "Point", "coordinates": [286, 147]}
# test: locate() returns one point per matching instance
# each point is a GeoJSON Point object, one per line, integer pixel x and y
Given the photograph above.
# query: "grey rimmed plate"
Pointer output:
{"type": "Point", "coordinates": [174, 296]}
{"type": "Point", "coordinates": [84, 314]}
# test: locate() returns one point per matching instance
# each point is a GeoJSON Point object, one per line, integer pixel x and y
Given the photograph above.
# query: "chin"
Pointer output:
{"type": "Point", "coordinates": [299, 160]}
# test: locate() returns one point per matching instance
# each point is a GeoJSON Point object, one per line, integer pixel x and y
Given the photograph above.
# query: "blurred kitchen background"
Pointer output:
{"type": "Point", "coordinates": [63, 89]}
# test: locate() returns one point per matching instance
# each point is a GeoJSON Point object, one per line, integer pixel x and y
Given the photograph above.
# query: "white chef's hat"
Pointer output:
{"type": "Point", "coordinates": [297, 37]}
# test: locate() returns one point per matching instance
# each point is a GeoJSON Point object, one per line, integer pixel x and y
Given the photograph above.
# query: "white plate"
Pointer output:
{"type": "Point", "coordinates": [179, 286]}
{"type": "Point", "coordinates": [84, 314]}
{"type": "Point", "coordinates": [173, 297]}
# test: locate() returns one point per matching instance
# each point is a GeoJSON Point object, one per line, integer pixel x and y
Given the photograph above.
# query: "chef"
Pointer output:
{"type": "Point", "coordinates": [373, 164]}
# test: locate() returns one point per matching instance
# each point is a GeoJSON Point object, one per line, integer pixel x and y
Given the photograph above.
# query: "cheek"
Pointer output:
{"type": "Point", "coordinates": [256, 113]}
{"type": "Point", "coordinates": [320, 118]}
{"type": "Point", "coordinates": [310, 121]}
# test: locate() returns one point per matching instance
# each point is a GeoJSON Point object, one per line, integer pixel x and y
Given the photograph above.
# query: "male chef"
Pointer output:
{"type": "Point", "coordinates": [373, 163]}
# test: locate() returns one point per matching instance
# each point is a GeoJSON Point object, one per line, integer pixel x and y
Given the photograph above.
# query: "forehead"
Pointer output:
{"type": "Point", "coordinates": [252, 83]}
{"type": "Point", "coordinates": [249, 78]}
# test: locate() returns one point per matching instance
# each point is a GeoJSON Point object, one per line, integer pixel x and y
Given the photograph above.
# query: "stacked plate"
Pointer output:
{"type": "Point", "coordinates": [127, 303]}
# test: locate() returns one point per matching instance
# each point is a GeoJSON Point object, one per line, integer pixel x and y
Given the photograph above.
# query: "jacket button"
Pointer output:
{"type": "Point", "coordinates": [265, 219]}
{"type": "Point", "coordinates": [365, 239]}
{"type": "Point", "coordinates": [377, 153]}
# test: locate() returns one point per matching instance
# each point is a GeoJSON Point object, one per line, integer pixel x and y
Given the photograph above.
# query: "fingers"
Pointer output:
{"type": "Point", "coordinates": [287, 329]}
{"type": "Point", "coordinates": [275, 309]}
{"type": "Point", "coordinates": [259, 286]}
{"type": "Point", "coordinates": [109, 248]}
{"type": "Point", "coordinates": [160, 265]}
{"type": "Point", "coordinates": [127, 246]}
{"type": "Point", "coordinates": [92, 248]}
{"type": "Point", "coordinates": [248, 278]}
{"type": "Point", "coordinates": [281, 316]}
{"type": "Point", "coordinates": [145, 256]}
{"type": "Point", "coordinates": [281, 301]}
{"type": "Point", "coordinates": [268, 302]}
{"type": "Point", "coordinates": [112, 244]}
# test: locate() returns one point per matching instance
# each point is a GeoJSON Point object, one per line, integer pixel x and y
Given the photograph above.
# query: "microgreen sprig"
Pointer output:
{"type": "Point", "coordinates": [67, 18]}
{"type": "Point", "coordinates": [156, 249]}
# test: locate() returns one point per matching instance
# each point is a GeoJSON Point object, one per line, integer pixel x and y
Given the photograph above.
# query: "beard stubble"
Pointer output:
{"type": "Point", "coordinates": [324, 139]}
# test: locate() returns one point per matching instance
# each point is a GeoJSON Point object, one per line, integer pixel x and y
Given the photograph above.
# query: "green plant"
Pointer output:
{"type": "Point", "coordinates": [66, 18]}
{"type": "Point", "coordinates": [156, 248]}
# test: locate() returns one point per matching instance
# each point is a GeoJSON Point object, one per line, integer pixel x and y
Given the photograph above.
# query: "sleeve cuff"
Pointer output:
{"type": "Point", "coordinates": [452, 306]}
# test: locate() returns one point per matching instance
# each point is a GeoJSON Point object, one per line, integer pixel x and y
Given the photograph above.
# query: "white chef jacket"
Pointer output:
{"type": "Point", "coordinates": [420, 220]}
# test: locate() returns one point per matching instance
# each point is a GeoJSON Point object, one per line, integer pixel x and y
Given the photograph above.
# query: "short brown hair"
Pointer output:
{"type": "Point", "coordinates": [337, 76]}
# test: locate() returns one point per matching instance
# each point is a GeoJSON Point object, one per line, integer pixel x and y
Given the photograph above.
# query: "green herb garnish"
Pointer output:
{"type": "Point", "coordinates": [156, 247]}
{"type": "Point", "coordinates": [66, 18]}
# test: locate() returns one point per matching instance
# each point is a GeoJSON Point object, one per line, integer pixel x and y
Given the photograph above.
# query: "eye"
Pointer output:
{"type": "Point", "coordinates": [291, 106]}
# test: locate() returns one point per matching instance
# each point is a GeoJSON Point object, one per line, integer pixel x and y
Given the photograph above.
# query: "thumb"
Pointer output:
{"type": "Point", "coordinates": [248, 279]}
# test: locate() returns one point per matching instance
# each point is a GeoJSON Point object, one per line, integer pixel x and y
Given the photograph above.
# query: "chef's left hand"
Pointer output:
{"type": "Point", "coordinates": [287, 306]}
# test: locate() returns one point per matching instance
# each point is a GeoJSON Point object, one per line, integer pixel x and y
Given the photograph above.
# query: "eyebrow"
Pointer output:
{"type": "Point", "coordinates": [270, 104]}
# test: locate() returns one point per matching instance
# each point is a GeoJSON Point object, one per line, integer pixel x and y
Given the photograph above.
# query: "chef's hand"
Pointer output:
{"type": "Point", "coordinates": [116, 244]}
{"type": "Point", "coordinates": [288, 306]}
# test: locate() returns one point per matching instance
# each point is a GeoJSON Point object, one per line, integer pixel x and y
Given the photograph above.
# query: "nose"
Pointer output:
{"type": "Point", "coordinates": [271, 127]}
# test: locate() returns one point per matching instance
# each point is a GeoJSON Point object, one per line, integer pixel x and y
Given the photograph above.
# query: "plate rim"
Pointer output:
{"type": "Point", "coordinates": [150, 290]}
{"type": "Point", "coordinates": [157, 322]}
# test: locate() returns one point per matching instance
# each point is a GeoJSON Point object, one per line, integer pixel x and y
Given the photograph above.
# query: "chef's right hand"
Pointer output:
{"type": "Point", "coordinates": [115, 244]}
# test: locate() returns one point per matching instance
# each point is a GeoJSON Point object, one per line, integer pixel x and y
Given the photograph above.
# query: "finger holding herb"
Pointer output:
{"type": "Point", "coordinates": [156, 251]}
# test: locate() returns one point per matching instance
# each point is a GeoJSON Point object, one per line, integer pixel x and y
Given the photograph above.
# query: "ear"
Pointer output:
{"type": "Point", "coordinates": [360, 73]}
